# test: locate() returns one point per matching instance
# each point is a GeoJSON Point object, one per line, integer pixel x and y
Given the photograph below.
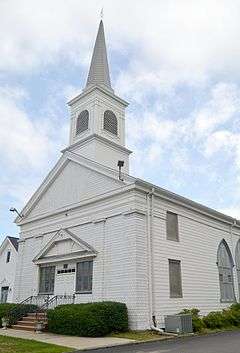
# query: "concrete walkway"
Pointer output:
{"type": "Point", "coordinates": [67, 341]}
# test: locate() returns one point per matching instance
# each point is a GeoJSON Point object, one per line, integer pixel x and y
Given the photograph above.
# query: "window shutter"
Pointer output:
{"type": "Point", "coordinates": [175, 279]}
{"type": "Point", "coordinates": [237, 258]}
{"type": "Point", "coordinates": [110, 122]}
{"type": "Point", "coordinates": [172, 226]}
{"type": "Point", "coordinates": [82, 122]}
{"type": "Point", "coordinates": [225, 273]}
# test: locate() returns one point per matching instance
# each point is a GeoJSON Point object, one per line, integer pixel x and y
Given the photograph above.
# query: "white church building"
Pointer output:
{"type": "Point", "coordinates": [94, 231]}
{"type": "Point", "coordinates": [8, 264]}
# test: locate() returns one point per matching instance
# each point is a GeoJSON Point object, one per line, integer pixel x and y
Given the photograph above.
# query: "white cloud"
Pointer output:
{"type": "Point", "coordinates": [28, 147]}
{"type": "Point", "coordinates": [223, 104]}
{"type": "Point", "coordinates": [165, 41]}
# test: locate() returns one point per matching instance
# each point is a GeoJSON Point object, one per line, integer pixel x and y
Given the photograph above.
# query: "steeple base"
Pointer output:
{"type": "Point", "coordinates": [102, 151]}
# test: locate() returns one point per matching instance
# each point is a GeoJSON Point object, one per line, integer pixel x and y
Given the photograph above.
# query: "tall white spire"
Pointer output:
{"type": "Point", "coordinates": [99, 70]}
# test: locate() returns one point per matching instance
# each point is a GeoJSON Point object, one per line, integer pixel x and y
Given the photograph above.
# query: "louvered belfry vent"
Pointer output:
{"type": "Point", "coordinates": [110, 122]}
{"type": "Point", "coordinates": [82, 122]}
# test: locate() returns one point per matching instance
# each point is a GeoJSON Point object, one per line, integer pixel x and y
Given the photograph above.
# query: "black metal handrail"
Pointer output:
{"type": "Point", "coordinates": [21, 309]}
{"type": "Point", "coordinates": [37, 304]}
{"type": "Point", "coordinates": [53, 303]}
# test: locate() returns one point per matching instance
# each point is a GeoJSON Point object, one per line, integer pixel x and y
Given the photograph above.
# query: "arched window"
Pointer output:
{"type": "Point", "coordinates": [225, 265]}
{"type": "Point", "coordinates": [110, 122]}
{"type": "Point", "coordinates": [237, 259]}
{"type": "Point", "coordinates": [82, 122]}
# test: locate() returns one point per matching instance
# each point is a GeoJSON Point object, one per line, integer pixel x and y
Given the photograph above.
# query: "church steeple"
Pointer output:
{"type": "Point", "coordinates": [99, 70]}
{"type": "Point", "coordinates": [98, 114]}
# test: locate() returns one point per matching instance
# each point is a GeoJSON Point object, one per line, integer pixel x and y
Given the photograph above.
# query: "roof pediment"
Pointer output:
{"type": "Point", "coordinates": [64, 246]}
{"type": "Point", "coordinates": [73, 180]}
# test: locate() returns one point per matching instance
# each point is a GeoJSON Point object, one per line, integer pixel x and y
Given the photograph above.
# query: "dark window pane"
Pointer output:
{"type": "Point", "coordinates": [84, 276]}
{"type": "Point", "coordinates": [8, 256]}
{"type": "Point", "coordinates": [47, 279]}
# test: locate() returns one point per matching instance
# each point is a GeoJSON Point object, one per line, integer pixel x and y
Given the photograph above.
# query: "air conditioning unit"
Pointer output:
{"type": "Point", "coordinates": [181, 323]}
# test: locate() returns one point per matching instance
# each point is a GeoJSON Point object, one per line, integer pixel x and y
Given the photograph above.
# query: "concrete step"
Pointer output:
{"type": "Point", "coordinates": [26, 323]}
{"type": "Point", "coordinates": [24, 328]}
{"type": "Point", "coordinates": [34, 317]}
{"type": "Point", "coordinates": [27, 318]}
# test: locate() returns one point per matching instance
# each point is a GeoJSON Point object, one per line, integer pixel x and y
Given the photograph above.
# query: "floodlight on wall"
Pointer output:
{"type": "Point", "coordinates": [120, 165]}
{"type": "Point", "coordinates": [13, 209]}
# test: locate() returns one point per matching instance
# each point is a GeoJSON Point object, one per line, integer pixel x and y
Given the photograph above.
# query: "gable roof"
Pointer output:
{"type": "Point", "coordinates": [14, 242]}
{"type": "Point", "coordinates": [67, 156]}
{"type": "Point", "coordinates": [9, 240]}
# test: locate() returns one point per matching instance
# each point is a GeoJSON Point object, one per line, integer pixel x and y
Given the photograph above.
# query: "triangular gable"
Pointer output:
{"type": "Point", "coordinates": [64, 245]}
{"type": "Point", "coordinates": [5, 243]}
{"type": "Point", "coordinates": [77, 176]}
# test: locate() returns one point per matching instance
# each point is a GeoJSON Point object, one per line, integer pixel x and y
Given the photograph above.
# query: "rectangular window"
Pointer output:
{"type": "Point", "coordinates": [172, 226]}
{"type": "Point", "coordinates": [175, 279]}
{"type": "Point", "coordinates": [8, 256]}
{"type": "Point", "coordinates": [47, 279]}
{"type": "Point", "coordinates": [84, 277]}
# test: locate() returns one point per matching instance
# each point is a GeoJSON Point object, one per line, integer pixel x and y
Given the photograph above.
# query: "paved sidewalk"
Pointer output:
{"type": "Point", "coordinates": [67, 341]}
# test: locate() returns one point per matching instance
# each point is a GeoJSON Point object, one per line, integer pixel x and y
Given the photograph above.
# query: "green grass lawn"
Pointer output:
{"type": "Point", "coordinates": [19, 345]}
{"type": "Point", "coordinates": [146, 335]}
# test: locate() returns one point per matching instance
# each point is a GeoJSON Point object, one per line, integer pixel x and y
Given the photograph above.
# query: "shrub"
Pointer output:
{"type": "Point", "coordinates": [14, 311]}
{"type": "Point", "coordinates": [215, 319]}
{"type": "Point", "coordinates": [18, 311]}
{"type": "Point", "coordinates": [231, 317]}
{"type": "Point", "coordinates": [4, 309]}
{"type": "Point", "coordinates": [198, 324]}
{"type": "Point", "coordinates": [235, 307]}
{"type": "Point", "coordinates": [91, 319]}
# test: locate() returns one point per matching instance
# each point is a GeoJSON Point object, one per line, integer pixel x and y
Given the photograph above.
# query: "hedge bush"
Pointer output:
{"type": "Point", "coordinates": [90, 319]}
{"type": "Point", "coordinates": [14, 311]}
{"type": "Point", "coordinates": [216, 319]}
{"type": "Point", "coordinates": [198, 324]}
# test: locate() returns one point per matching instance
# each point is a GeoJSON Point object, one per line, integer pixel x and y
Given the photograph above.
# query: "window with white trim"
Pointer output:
{"type": "Point", "coordinates": [237, 260]}
{"type": "Point", "coordinates": [84, 276]}
{"type": "Point", "coordinates": [172, 226]}
{"type": "Point", "coordinates": [47, 279]}
{"type": "Point", "coordinates": [225, 266]}
{"type": "Point", "coordinates": [175, 278]}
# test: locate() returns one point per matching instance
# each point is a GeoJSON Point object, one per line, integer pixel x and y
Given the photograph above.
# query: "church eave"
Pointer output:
{"type": "Point", "coordinates": [101, 89]}
{"type": "Point", "coordinates": [100, 138]}
{"type": "Point", "coordinates": [185, 202]}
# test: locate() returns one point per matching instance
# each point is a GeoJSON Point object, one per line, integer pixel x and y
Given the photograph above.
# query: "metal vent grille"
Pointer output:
{"type": "Point", "coordinates": [82, 122]}
{"type": "Point", "coordinates": [181, 323]}
{"type": "Point", "coordinates": [110, 122]}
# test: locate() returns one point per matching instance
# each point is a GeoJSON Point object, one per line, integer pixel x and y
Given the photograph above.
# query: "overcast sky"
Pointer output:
{"type": "Point", "coordinates": [176, 62]}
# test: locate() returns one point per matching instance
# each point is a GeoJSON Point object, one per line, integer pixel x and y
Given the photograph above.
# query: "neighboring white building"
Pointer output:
{"type": "Point", "coordinates": [8, 263]}
{"type": "Point", "coordinates": [104, 235]}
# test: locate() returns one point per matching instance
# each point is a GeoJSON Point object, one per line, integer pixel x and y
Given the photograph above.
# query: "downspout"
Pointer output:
{"type": "Point", "coordinates": [150, 215]}
{"type": "Point", "coordinates": [149, 258]}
